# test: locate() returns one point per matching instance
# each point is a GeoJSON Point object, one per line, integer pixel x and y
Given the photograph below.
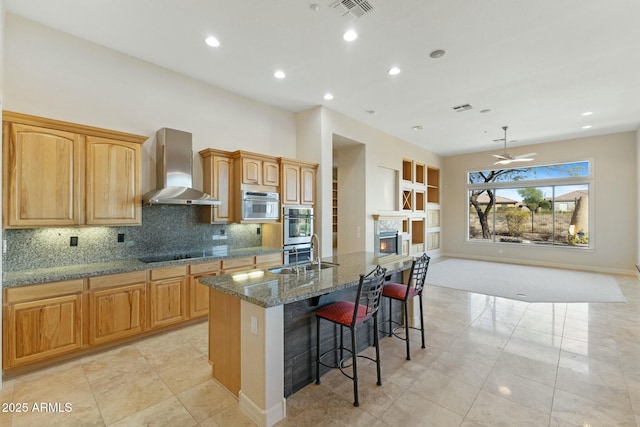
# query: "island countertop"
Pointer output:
{"type": "Point", "coordinates": [266, 289]}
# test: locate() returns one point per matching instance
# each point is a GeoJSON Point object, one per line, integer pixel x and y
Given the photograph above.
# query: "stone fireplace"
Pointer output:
{"type": "Point", "coordinates": [388, 236]}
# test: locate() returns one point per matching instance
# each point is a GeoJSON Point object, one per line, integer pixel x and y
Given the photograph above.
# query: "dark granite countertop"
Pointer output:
{"type": "Point", "coordinates": [266, 289]}
{"type": "Point", "coordinates": [54, 274]}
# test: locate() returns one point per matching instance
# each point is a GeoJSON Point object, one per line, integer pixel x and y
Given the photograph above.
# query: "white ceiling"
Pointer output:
{"type": "Point", "coordinates": [537, 65]}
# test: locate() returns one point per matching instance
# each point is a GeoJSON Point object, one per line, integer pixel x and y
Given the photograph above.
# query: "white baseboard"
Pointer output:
{"type": "Point", "coordinates": [263, 417]}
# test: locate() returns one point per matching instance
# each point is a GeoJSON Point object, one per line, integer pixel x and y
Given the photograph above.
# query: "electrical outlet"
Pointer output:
{"type": "Point", "coordinates": [120, 237]}
{"type": "Point", "coordinates": [73, 241]}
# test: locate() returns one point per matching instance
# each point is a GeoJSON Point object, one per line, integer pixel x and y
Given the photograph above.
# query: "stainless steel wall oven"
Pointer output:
{"type": "Point", "coordinates": [297, 225]}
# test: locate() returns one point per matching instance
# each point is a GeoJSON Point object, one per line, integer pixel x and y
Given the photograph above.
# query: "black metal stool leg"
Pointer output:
{"type": "Point", "coordinates": [376, 342]}
{"type": "Point", "coordinates": [421, 320]}
{"type": "Point", "coordinates": [406, 328]}
{"type": "Point", "coordinates": [355, 367]}
{"type": "Point", "coordinates": [390, 324]}
{"type": "Point", "coordinates": [317, 350]}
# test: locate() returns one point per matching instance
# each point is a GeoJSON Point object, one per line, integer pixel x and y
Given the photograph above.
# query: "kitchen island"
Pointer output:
{"type": "Point", "coordinates": [260, 335]}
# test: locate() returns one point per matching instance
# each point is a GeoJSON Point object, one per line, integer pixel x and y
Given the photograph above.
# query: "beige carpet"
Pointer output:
{"type": "Point", "coordinates": [524, 283]}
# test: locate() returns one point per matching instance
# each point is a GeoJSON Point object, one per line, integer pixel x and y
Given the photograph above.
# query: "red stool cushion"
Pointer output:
{"type": "Point", "coordinates": [342, 312]}
{"type": "Point", "coordinates": [397, 291]}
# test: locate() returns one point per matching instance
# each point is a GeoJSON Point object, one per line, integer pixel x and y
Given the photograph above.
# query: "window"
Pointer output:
{"type": "Point", "coordinates": [539, 205]}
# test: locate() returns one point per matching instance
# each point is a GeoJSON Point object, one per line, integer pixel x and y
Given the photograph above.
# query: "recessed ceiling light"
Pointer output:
{"type": "Point", "coordinates": [394, 71]}
{"type": "Point", "coordinates": [212, 41]}
{"type": "Point", "coordinates": [438, 53]}
{"type": "Point", "coordinates": [279, 74]}
{"type": "Point", "coordinates": [486, 110]}
{"type": "Point", "coordinates": [315, 7]}
{"type": "Point", "coordinates": [587, 127]}
{"type": "Point", "coordinates": [350, 35]}
{"type": "Point", "coordinates": [328, 96]}
{"type": "Point", "coordinates": [587, 113]}
{"type": "Point", "coordinates": [417, 127]}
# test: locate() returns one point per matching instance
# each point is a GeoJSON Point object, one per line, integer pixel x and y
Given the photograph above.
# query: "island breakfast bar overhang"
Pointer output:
{"type": "Point", "coordinates": [247, 325]}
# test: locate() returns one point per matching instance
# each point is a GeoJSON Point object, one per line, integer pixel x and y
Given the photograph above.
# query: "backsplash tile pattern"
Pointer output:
{"type": "Point", "coordinates": [165, 229]}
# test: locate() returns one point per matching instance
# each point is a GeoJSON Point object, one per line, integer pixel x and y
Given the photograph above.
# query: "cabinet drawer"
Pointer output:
{"type": "Point", "coordinates": [228, 264]}
{"type": "Point", "coordinates": [269, 259]}
{"type": "Point", "coordinates": [205, 267]}
{"type": "Point", "coordinates": [119, 279]}
{"type": "Point", "coordinates": [165, 273]}
{"type": "Point", "coordinates": [45, 290]}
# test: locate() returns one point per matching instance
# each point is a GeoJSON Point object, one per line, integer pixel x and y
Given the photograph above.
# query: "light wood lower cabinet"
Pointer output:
{"type": "Point", "coordinates": [198, 293]}
{"type": "Point", "coordinates": [38, 330]}
{"type": "Point", "coordinates": [117, 306]}
{"type": "Point", "coordinates": [167, 296]}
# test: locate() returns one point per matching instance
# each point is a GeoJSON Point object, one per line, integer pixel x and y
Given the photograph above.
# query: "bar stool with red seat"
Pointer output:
{"type": "Point", "coordinates": [352, 314]}
{"type": "Point", "coordinates": [404, 293]}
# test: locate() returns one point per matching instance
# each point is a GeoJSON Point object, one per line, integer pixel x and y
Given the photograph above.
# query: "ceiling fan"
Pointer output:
{"type": "Point", "coordinates": [505, 158]}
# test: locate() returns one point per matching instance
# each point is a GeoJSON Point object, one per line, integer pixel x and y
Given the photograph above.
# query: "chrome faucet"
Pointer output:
{"type": "Point", "coordinates": [316, 250]}
{"type": "Point", "coordinates": [295, 264]}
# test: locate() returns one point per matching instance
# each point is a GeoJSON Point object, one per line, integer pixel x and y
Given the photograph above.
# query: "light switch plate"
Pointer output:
{"type": "Point", "coordinates": [254, 325]}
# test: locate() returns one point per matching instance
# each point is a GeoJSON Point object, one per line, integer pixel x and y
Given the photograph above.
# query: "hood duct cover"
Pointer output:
{"type": "Point", "coordinates": [174, 166]}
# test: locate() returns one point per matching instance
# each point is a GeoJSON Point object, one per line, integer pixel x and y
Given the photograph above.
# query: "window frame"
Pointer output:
{"type": "Point", "coordinates": [588, 180]}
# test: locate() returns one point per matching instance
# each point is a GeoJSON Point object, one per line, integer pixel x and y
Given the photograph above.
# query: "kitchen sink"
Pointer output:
{"type": "Point", "coordinates": [302, 268]}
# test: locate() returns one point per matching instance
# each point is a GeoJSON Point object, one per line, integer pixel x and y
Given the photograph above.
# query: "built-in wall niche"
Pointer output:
{"type": "Point", "coordinates": [407, 170]}
{"type": "Point", "coordinates": [433, 185]}
{"type": "Point", "coordinates": [417, 235]}
{"type": "Point", "coordinates": [407, 200]}
{"type": "Point", "coordinates": [387, 194]}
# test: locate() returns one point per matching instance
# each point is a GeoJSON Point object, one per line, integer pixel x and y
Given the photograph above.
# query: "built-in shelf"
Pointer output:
{"type": "Point", "coordinates": [419, 173]}
{"type": "Point", "coordinates": [420, 202]}
{"type": "Point", "coordinates": [433, 185]}
{"type": "Point", "coordinates": [407, 170]}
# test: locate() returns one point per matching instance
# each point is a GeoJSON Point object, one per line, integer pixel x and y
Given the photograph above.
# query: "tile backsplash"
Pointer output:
{"type": "Point", "coordinates": [165, 229]}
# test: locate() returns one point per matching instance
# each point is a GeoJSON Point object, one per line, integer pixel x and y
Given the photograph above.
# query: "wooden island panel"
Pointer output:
{"type": "Point", "coordinates": [224, 339]}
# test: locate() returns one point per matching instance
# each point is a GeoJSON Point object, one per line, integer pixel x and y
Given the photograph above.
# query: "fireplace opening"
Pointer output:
{"type": "Point", "coordinates": [389, 243]}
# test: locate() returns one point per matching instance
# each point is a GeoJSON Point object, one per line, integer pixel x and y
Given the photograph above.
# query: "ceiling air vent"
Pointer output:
{"type": "Point", "coordinates": [352, 9]}
{"type": "Point", "coordinates": [461, 108]}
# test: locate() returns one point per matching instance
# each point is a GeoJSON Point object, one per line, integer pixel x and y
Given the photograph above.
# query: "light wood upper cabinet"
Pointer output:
{"type": "Point", "coordinates": [290, 192]}
{"type": "Point", "coordinates": [42, 179]}
{"type": "Point", "coordinates": [62, 174]}
{"type": "Point", "coordinates": [307, 185]}
{"type": "Point", "coordinates": [217, 175]}
{"type": "Point", "coordinates": [113, 182]}
{"type": "Point", "coordinates": [298, 182]}
{"type": "Point", "coordinates": [257, 169]}
{"type": "Point", "coordinates": [270, 173]}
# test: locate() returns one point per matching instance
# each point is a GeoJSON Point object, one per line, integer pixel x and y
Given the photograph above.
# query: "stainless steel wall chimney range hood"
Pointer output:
{"type": "Point", "coordinates": [174, 166]}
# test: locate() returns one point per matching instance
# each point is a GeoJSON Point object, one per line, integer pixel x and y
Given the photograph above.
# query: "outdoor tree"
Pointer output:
{"type": "Point", "coordinates": [486, 177]}
{"type": "Point", "coordinates": [531, 196]}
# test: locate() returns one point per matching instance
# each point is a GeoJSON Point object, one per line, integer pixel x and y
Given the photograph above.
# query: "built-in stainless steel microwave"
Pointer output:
{"type": "Point", "coordinates": [260, 205]}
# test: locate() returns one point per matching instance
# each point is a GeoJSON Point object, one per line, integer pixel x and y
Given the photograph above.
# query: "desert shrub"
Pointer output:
{"type": "Point", "coordinates": [517, 222]}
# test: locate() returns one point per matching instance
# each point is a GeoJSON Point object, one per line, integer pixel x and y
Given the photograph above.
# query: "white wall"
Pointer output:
{"type": "Point", "coordinates": [613, 196]}
{"type": "Point", "coordinates": [382, 149]}
{"type": "Point", "coordinates": [53, 74]}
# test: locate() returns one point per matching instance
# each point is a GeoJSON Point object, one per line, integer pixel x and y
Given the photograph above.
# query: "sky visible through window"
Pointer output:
{"type": "Point", "coordinates": [524, 175]}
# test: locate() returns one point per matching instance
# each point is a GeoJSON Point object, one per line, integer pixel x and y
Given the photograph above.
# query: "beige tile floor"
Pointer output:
{"type": "Point", "coordinates": [489, 361]}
